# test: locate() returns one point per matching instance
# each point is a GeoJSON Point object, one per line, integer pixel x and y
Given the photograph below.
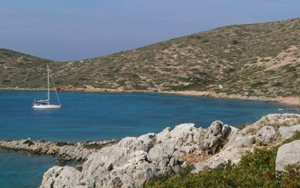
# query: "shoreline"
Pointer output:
{"type": "Point", "coordinates": [290, 101]}
{"type": "Point", "coordinates": [64, 151]}
{"type": "Point", "coordinates": [133, 161]}
{"type": "Point", "coordinates": [170, 149]}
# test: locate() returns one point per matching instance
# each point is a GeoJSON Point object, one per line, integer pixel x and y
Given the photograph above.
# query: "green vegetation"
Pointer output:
{"type": "Point", "coordinates": [277, 84]}
{"type": "Point", "coordinates": [28, 142]}
{"type": "Point", "coordinates": [258, 84]}
{"type": "Point", "coordinates": [93, 146]}
{"type": "Point", "coordinates": [64, 144]}
{"type": "Point", "coordinates": [99, 146]}
{"type": "Point", "coordinates": [255, 169]}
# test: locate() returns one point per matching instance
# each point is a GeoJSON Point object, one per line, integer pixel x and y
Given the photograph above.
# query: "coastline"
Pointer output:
{"type": "Point", "coordinates": [65, 151]}
{"type": "Point", "coordinates": [109, 166]}
{"type": "Point", "coordinates": [133, 161]}
{"type": "Point", "coordinates": [290, 101]}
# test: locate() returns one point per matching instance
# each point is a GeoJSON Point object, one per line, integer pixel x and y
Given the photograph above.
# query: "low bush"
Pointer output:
{"type": "Point", "coordinates": [93, 146]}
{"type": "Point", "coordinates": [28, 142]}
{"type": "Point", "coordinates": [64, 143]}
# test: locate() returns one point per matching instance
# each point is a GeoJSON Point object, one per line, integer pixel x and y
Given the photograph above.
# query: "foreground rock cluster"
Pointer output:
{"type": "Point", "coordinates": [134, 160]}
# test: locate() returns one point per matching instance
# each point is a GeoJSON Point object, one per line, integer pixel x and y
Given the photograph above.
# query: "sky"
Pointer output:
{"type": "Point", "coordinates": [71, 30]}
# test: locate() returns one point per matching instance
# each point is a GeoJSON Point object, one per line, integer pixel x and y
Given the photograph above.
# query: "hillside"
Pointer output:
{"type": "Point", "coordinates": [252, 60]}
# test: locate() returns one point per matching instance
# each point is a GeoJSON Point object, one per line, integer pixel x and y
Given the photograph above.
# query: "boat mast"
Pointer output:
{"type": "Point", "coordinates": [48, 84]}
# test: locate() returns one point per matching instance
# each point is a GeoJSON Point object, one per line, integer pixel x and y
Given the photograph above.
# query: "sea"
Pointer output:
{"type": "Point", "coordinates": [88, 116]}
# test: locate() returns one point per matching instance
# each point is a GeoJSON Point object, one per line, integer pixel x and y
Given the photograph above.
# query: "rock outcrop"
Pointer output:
{"type": "Point", "coordinates": [65, 151]}
{"type": "Point", "coordinates": [215, 136]}
{"type": "Point", "coordinates": [131, 162]}
{"type": "Point", "coordinates": [134, 160]}
{"type": "Point", "coordinates": [287, 132]}
{"type": "Point", "coordinates": [259, 134]}
{"type": "Point", "coordinates": [266, 134]}
{"type": "Point", "coordinates": [288, 154]}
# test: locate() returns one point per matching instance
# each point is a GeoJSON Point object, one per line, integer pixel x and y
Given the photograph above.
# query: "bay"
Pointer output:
{"type": "Point", "coordinates": [101, 116]}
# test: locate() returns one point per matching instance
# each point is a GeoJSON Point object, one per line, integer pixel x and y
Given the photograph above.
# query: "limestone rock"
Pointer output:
{"type": "Point", "coordinates": [164, 135]}
{"type": "Point", "coordinates": [288, 154]}
{"type": "Point", "coordinates": [217, 132]}
{"type": "Point", "coordinates": [266, 134]}
{"type": "Point", "coordinates": [124, 164]}
{"type": "Point", "coordinates": [239, 140]}
{"type": "Point", "coordinates": [184, 138]}
{"type": "Point", "coordinates": [288, 132]}
{"type": "Point", "coordinates": [233, 154]}
{"type": "Point", "coordinates": [57, 176]}
{"type": "Point", "coordinates": [132, 161]}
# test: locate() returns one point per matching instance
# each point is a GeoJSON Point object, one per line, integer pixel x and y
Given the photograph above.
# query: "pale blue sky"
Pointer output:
{"type": "Point", "coordinates": [68, 30]}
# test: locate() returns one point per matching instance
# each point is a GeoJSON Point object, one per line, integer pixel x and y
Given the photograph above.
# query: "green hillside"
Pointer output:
{"type": "Point", "coordinates": [253, 60]}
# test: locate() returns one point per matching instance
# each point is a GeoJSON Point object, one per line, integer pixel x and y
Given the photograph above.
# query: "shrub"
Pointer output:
{"type": "Point", "coordinates": [234, 42]}
{"type": "Point", "coordinates": [28, 142]}
{"type": "Point", "coordinates": [99, 146]}
{"type": "Point", "coordinates": [93, 146]}
{"type": "Point", "coordinates": [64, 144]}
{"type": "Point", "coordinates": [278, 84]}
{"type": "Point", "coordinates": [258, 84]}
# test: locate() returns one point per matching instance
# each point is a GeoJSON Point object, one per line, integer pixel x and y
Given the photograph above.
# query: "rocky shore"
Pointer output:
{"type": "Point", "coordinates": [132, 161]}
{"type": "Point", "coordinates": [65, 151]}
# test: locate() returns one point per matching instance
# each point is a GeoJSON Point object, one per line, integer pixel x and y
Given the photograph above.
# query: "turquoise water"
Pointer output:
{"type": "Point", "coordinates": [100, 116]}
{"type": "Point", "coordinates": [20, 169]}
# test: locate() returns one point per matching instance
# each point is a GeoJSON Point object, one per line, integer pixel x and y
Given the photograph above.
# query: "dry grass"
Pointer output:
{"type": "Point", "coordinates": [193, 158]}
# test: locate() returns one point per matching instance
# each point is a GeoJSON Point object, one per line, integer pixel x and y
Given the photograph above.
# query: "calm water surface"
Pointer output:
{"type": "Point", "coordinates": [100, 116]}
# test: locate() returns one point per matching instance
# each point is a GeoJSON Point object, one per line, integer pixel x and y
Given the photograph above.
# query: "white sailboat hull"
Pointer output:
{"type": "Point", "coordinates": [46, 106]}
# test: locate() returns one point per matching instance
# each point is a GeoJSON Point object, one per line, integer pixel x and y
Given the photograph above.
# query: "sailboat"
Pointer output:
{"type": "Point", "coordinates": [45, 104]}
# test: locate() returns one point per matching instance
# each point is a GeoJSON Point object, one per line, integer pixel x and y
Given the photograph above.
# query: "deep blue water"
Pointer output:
{"type": "Point", "coordinates": [100, 116]}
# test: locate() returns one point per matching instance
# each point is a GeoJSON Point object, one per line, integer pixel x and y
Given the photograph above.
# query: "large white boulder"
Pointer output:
{"type": "Point", "coordinates": [288, 154]}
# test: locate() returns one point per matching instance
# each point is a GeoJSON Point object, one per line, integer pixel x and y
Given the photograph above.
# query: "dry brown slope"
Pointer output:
{"type": "Point", "coordinates": [254, 59]}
